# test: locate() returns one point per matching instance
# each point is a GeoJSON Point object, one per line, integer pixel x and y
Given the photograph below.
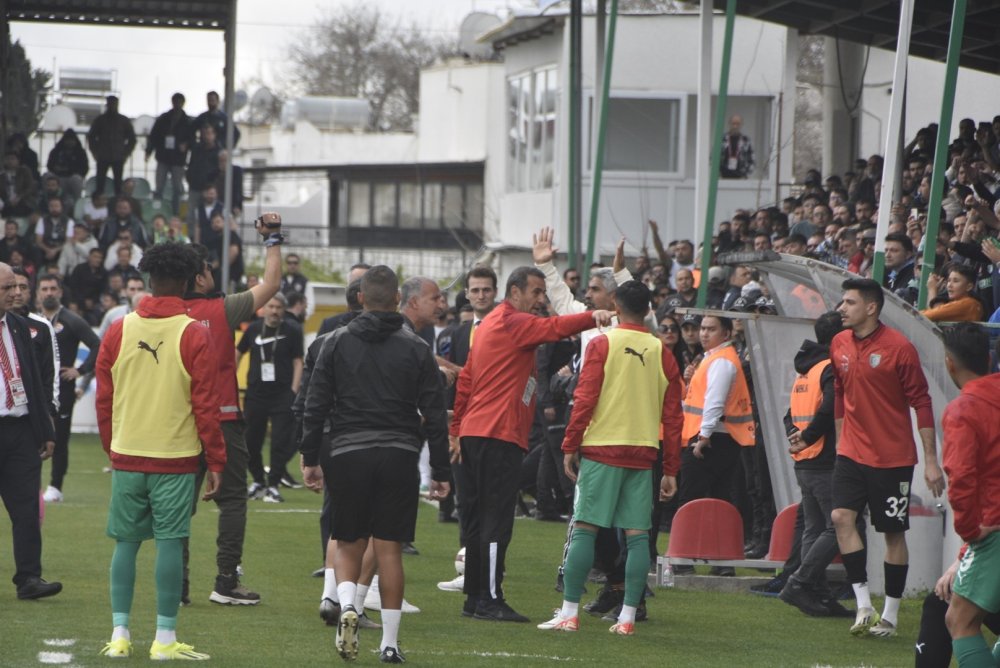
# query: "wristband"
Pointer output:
{"type": "Point", "coordinates": [274, 239]}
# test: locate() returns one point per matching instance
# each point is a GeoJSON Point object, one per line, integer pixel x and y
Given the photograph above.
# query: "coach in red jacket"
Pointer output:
{"type": "Point", "coordinates": [494, 407]}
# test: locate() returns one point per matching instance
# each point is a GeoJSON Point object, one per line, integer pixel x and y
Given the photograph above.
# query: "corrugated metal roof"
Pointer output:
{"type": "Point", "coordinates": [200, 14]}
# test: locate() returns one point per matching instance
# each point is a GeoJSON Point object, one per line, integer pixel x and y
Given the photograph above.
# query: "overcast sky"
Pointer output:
{"type": "Point", "coordinates": [152, 64]}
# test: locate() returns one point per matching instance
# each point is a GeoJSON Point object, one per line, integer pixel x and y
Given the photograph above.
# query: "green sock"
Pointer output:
{"type": "Point", "coordinates": [972, 652]}
{"type": "Point", "coordinates": [169, 575]}
{"type": "Point", "coordinates": [636, 567]}
{"type": "Point", "coordinates": [123, 581]}
{"type": "Point", "coordinates": [579, 559]}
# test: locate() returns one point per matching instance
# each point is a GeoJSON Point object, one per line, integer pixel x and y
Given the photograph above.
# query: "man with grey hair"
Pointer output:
{"type": "Point", "coordinates": [421, 302]}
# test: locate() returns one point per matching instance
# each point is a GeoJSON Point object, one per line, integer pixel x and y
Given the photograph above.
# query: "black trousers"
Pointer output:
{"type": "Point", "coordinates": [257, 410]}
{"type": "Point", "coordinates": [554, 489]}
{"type": "Point", "coordinates": [934, 642]}
{"type": "Point", "coordinates": [20, 477]}
{"type": "Point", "coordinates": [64, 426]}
{"type": "Point", "coordinates": [712, 476]}
{"type": "Point", "coordinates": [488, 495]}
{"type": "Point", "coordinates": [116, 173]}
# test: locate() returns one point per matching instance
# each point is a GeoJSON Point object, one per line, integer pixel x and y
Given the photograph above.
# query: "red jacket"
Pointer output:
{"type": "Point", "coordinates": [587, 394]}
{"type": "Point", "coordinates": [877, 380]}
{"type": "Point", "coordinates": [200, 363]}
{"type": "Point", "coordinates": [972, 456]}
{"type": "Point", "coordinates": [495, 393]}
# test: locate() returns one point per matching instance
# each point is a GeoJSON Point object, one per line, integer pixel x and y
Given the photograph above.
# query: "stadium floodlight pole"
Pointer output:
{"type": "Point", "coordinates": [888, 192]}
{"type": "Point", "coordinates": [941, 147]}
{"type": "Point", "coordinates": [575, 143]}
{"type": "Point", "coordinates": [598, 171]}
{"type": "Point", "coordinates": [713, 158]}
{"type": "Point", "coordinates": [230, 37]}
{"type": "Point", "coordinates": [703, 136]}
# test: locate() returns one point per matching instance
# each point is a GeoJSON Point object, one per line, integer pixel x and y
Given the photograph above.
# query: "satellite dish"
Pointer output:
{"type": "Point", "coordinates": [239, 100]}
{"type": "Point", "coordinates": [58, 118]}
{"type": "Point", "coordinates": [473, 26]}
{"type": "Point", "coordinates": [143, 125]}
{"type": "Point", "coordinates": [262, 106]}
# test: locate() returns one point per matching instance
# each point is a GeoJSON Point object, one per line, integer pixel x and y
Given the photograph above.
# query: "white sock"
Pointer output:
{"type": "Point", "coordinates": [166, 636]}
{"type": "Point", "coordinates": [891, 611]}
{"type": "Point", "coordinates": [390, 628]}
{"type": "Point", "coordinates": [627, 615]}
{"type": "Point", "coordinates": [359, 597]}
{"type": "Point", "coordinates": [862, 595]}
{"type": "Point", "coordinates": [120, 632]}
{"type": "Point", "coordinates": [330, 585]}
{"type": "Point", "coordinates": [346, 590]}
{"type": "Point", "coordinates": [569, 610]}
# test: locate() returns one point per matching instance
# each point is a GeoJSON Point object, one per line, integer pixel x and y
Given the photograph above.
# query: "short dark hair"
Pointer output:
{"type": "Point", "coordinates": [380, 286]}
{"type": "Point", "coordinates": [519, 278]}
{"type": "Point", "coordinates": [295, 298]}
{"type": "Point", "coordinates": [969, 345]}
{"type": "Point", "coordinates": [177, 96]}
{"type": "Point", "coordinates": [870, 290]}
{"type": "Point", "coordinates": [352, 295]}
{"type": "Point", "coordinates": [967, 272]}
{"type": "Point", "coordinates": [903, 240]}
{"type": "Point", "coordinates": [725, 323]}
{"type": "Point", "coordinates": [202, 258]}
{"type": "Point", "coordinates": [633, 298]}
{"type": "Point", "coordinates": [50, 277]}
{"type": "Point", "coordinates": [136, 278]}
{"type": "Point", "coordinates": [482, 271]}
{"type": "Point", "coordinates": [797, 238]}
{"type": "Point", "coordinates": [827, 326]}
{"type": "Point", "coordinates": [291, 255]}
{"type": "Point", "coordinates": [173, 263]}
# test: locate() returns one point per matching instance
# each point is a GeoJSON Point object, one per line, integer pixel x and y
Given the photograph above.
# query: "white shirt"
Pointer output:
{"type": "Point", "coordinates": [8, 344]}
{"type": "Point", "coordinates": [721, 374]}
{"type": "Point", "coordinates": [112, 257]}
{"type": "Point", "coordinates": [55, 356]}
{"type": "Point", "coordinates": [674, 268]}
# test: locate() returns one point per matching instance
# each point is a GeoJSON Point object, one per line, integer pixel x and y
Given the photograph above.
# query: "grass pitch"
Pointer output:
{"type": "Point", "coordinates": [283, 548]}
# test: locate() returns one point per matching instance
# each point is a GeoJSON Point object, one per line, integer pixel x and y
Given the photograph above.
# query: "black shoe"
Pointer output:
{"type": "Point", "coordinates": [607, 600]}
{"type": "Point", "coordinates": [391, 655]}
{"type": "Point", "coordinates": [319, 572]}
{"type": "Point", "coordinates": [229, 591]}
{"type": "Point", "coordinates": [33, 588]}
{"type": "Point", "coordinates": [641, 613]}
{"type": "Point", "coordinates": [682, 569]}
{"type": "Point", "coordinates": [797, 595]}
{"type": "Point", "coordinates": [771, 588]}
{"type": "Point", "coordinates": [597, 576]}
{"type": "Point", "coordinates": [723, 571]}
{"type": "Point", "coordinates": [409, 549]}
{"type": "Point", "coordinates": [329, 611]}
{"type": "Point", "coordinates": [469, 607]}
{"type": "Point", "coordinates": [834, 607]}
{"type": "Point", "coordinates": [186, 592]}
{"type": "Point", "coordinates": [757, 550]}
{"type": "Point", "coordinates": [559, 583]}
{"type": "Point", "coordinates": [497, 610]}
{"type": "Point", "coordinates": [290, 482]}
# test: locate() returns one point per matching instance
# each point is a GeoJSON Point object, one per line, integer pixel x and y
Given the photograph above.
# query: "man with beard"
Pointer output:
{"type": "Point", "coordinates": [43, 337]}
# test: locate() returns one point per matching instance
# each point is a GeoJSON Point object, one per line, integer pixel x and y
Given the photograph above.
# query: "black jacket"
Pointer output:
{"type": "Point", "coordinates": [371, 378]}
{"type": "Point", "coordinates": [823, 424]}
{"type": "Point", "coordinates": [39, 393]}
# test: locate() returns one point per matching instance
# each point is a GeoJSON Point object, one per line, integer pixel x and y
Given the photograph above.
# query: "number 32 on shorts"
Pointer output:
{"type": "Point", "coordinates": [896, 506]}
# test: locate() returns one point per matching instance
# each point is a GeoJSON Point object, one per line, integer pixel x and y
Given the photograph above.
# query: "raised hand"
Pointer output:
{"type": "Point", "coordinates": [542, 248]}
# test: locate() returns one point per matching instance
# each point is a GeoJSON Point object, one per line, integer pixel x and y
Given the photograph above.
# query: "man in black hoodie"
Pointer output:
{"type": "Point", "coordinates": [375, 441]}
{"type": "Point", "coordinates": [812, 440]}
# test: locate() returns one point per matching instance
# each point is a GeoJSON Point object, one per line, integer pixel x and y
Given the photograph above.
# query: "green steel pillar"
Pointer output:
{"type": "Point", "coordinates": [595, 192]}
{"type": "Point", "coordinates": [941, 149]}
{"type": "Point", "coordinates": [575, 150]}
{"type": "Point", "coordinates": [713, 163]}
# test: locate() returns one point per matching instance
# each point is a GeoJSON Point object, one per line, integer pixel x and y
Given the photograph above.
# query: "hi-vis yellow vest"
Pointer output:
{"type": "Point", "coordinates": [630, 407]}
{"type": "Point", "coordinates": [151, 412]}
{"type": "Point", "coordinates": [807, 395]}
{"type": "Point", "coordinates": [737, 413]}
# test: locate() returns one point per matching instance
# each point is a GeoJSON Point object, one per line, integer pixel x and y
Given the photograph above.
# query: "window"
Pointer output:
{"type": "Point", "coordinates": [474, 207]}
{"type": "Point", "coordinates": [454, 217]}
{"type": "Point", "coordinates": [385, 205]}
{"type": "Point", "coordinates": [358, 204]}
{"type": "Point", "coordinates": [643, 134]}
{"type": "Point", "coordinates": [532, 100]}
{"type": "Point", "coordinates": [409, 205]}
{"type": "Point", "coordinates": [432, 206]}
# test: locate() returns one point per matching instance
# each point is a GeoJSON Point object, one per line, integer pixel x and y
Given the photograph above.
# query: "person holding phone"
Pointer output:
{"type": "Point", "coordinates": [962, 304]}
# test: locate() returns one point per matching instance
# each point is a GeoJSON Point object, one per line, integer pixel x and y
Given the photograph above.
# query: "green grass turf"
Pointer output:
{"type": "Point", "coordinates": [282, 549]}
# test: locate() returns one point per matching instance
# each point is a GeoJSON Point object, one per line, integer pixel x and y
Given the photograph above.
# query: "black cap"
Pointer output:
{"type": "Point", "coordinates": [765, 304]}
{"type": "Point", "coordinates": [691, 319]}
{"type": "Point", "coordinates": [742, 304]}
{"type": "Point", "coordinates": [672, 303]}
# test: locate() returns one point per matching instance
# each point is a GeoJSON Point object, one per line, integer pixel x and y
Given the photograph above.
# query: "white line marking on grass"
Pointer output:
{"type": "Point", "coordinates": [60, 642]}
{"type": "Point", "coordinates": [496, 655]}
{"type": "Point", "coordinates": [54, 657]}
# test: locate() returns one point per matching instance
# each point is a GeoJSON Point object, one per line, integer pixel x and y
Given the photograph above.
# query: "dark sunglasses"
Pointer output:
{"type": "Point", "coordinates": [666, 329]}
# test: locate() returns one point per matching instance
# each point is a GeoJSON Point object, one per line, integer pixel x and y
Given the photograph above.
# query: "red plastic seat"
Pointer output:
{"type": "Point", "coordinates": [782, 534]}
{"type": "Point", "coordinates": [707, 529]}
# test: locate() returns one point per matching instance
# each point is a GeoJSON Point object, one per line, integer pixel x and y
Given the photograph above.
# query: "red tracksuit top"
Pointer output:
{"type": "Point", "coordinates": [877, 380]}
{"type": "Point", "coordinates": [495, 392]}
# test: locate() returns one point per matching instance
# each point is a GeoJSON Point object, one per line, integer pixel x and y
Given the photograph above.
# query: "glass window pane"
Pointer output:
{"type": "Point", "coordinates": [523, 132]}
{"type": "Point", "coordinates": [474, 208]}
{"type": "Point", "coordinates": [537, 130]}
{"type": "Point", "coordinates": [385, 205]}
{"type": "Point", "coordinates": [358, 213]}
{"type": "Point", "coordinates": [551, 104]}
{"type": "Point", "coordinates": [454, 216]}
{"type": "Point", "coordinates": [432, 206]}
{"type": "Point", "coordinates": [642, 135]}
{"type": "Point", "coordinates": [513, 102]}
{"type": "Point", "coordinates": [409, 205]}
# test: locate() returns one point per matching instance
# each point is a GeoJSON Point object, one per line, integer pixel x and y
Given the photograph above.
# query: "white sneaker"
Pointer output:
{"type": "Point", "coordinates": [52, 495]}
{"type": "Point", "coordinates": [272, 495]}
{"type": "Point", "coordinates": [373, 600]}
{"type": "Point", "coordinates": [560, 623]}
{"type": "Point", "coordinates": [866, 618]}
{"type": "Point", "coordinates": [458, 584]}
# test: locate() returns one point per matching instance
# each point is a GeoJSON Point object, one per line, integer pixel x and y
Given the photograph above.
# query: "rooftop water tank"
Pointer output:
{"type": "Point", "coordinates": [327, 113]}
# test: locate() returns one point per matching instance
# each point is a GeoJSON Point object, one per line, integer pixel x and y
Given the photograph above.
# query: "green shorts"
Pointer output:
{"type": "Point", "coordinates": [978, 577]}
{"type": "Point", "coordinates": [612, 496]}
{"type": "Point", "coordinates": [150, 505]}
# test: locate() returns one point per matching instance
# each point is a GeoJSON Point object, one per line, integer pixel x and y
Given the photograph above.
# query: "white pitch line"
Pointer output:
{"type": "Point", "coordinates": [60, 642]}
{"type": "Point", "coordinates": [495, 655]}
{"type": "Point", "coordinates": [54, 657]}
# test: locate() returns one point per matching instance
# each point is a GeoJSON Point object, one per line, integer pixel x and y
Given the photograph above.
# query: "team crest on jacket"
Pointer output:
{"type": "Point", "coordinates": [874, 359]}
{"type": "Point", "coordinates": [904, 488]}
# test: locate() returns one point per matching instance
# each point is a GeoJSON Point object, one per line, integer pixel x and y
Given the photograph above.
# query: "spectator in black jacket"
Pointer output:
{"type": "Point", "coordinates": [374, 488]}
{"type": "Point", "coordinates": [122, 219]}
{"type": "Point", "coordinates": [170, 140]}
{"type": "Point", "coordinates": [111, 138]}
{"type": "Point", "coordinates": [87, 280]}
{"type": "Point", "coordinates": [203, 170]}
{"type": "Point", "coordinates": [68, 160]}
{"type": "Point", "coordinates": [216, 119]}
